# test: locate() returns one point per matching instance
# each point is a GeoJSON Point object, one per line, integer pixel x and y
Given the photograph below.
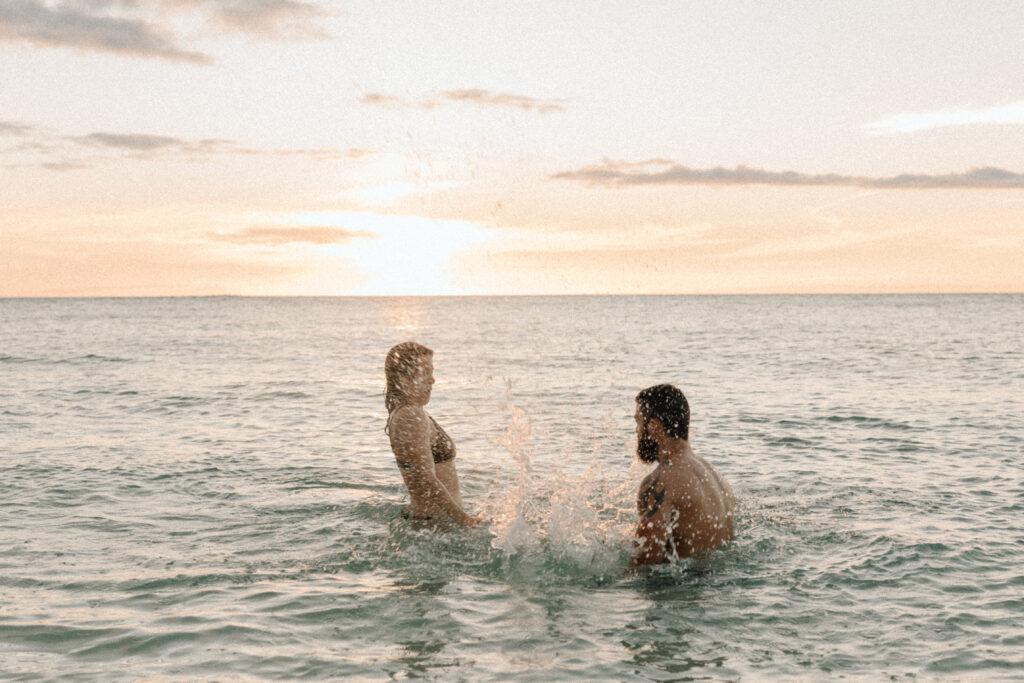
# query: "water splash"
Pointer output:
{"type": "Point", "coordinates": [515, 515]}
{"type": "Point", "coordinates": [559, 523]}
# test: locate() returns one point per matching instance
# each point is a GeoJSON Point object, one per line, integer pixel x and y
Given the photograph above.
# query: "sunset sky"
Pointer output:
{"type": "Point", "coordinates": [193, 147]}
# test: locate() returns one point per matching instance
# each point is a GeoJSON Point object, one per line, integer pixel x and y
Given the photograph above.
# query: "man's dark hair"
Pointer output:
{"type": "Point", "coordinates": [668, 404]}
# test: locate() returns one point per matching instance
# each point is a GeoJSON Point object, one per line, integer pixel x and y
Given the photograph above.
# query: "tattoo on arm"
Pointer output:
{"type": "Point", "coordinates": [651, 498]}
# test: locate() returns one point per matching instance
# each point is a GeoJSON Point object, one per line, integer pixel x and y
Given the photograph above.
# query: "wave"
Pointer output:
{"type": "Point", "coordinates": [19, 359]}
{"type": "Point", "coordinates": [274, 395]}
{"type": "Point", "coordinates": [137, 642]}
{"type": "Point", "coordinates": [866, 422]}
{"type": "Point", "coordinates": [71, 360]}
{"type": "Point", "coordinates": [52, 635]}
{"type": "Point", "coordinates": [347, 485]}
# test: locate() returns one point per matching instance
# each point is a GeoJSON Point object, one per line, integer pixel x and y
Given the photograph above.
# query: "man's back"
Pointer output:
{"type": "Point", "coordinates": [685, 507]}
{"type": "Point", "coordinates": [705, 503]}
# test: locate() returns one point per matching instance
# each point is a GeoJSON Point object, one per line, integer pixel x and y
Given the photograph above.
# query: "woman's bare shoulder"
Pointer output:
{"type": "Point", "coordinates": [409, 419]}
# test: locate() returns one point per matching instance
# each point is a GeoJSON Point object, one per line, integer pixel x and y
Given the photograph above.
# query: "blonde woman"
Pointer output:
{"type": "Point", "coordinates": [424, 452]}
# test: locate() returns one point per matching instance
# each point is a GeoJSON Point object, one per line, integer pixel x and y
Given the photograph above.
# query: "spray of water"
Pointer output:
{"type": "Point", "coordinates": [559, 523]}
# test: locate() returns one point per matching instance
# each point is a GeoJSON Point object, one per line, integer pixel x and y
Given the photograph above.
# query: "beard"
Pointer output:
{"type": "Point", "coordinates": [646, 447]}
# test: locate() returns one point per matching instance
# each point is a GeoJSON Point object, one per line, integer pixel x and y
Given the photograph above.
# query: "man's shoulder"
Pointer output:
{"type": "Point", "coordinates": [651, 476]}
{"type": "Point", "coordinates": [679, 480]}
{"type": "Point", "coordinates": [660, 477]}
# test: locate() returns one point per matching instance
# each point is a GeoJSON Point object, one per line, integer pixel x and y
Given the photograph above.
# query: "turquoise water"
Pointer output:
{"type": "Point", "coordinates": [201, 489]}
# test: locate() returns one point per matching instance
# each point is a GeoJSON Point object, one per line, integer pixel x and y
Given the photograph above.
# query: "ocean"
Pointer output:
{"type": "Point", "coordinates": [201, 489]}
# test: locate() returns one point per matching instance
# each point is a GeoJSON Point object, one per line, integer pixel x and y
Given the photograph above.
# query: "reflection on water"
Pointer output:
{"type": "Point", "coordinates": [403, 316]}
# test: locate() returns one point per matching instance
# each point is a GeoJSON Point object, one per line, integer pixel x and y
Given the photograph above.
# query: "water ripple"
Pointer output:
{"type": "Point", "coordinates": [201, 489]}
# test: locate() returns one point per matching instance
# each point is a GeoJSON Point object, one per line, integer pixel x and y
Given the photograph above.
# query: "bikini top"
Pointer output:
{"type": "Point", "coordinates": [441, 446]}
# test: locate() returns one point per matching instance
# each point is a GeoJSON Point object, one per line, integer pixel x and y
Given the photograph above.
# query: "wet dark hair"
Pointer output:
{"type": "Point", "coordinates": [402, 360]}
{"type": "Point", "coordinates": [668, 404]}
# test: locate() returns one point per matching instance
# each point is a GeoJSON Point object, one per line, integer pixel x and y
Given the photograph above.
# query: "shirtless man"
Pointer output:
{"type": "Point", "coordinates": [685, 506]}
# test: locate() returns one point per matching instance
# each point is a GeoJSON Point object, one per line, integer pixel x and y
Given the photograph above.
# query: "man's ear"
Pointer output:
{"type": "Point", "coordinates": [654, 429]}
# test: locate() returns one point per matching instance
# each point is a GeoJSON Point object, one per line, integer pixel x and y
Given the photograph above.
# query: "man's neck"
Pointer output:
{"type": "Point", "coordinates": [673, 450]}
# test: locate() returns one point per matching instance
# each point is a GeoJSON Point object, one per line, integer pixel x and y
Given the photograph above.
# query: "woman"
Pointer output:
{"type": "Point", "coordinates": [424, 452]}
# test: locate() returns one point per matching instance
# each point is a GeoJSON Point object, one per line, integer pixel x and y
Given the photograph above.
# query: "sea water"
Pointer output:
{"type": "Point", "coordinates": [201, 489]}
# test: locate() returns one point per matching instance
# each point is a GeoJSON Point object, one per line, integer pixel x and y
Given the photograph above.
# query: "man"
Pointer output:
{"type": "Point", "coordinates": [685, 506]}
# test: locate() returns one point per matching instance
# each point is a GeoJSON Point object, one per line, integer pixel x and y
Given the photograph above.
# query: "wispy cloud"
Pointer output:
{"type": "Point", "coordinates": [326, 154]}
{"type": "Point", "coordinates": [380, 99]}
{"type": "Point", "coordinates": [279, 236]}
{"type": "Point", "coordinates": [15, 128]}
{"type": "Point", "coordinates": [473, 96]}
{"type": "Point", "coordinates": [67, 26]}
{"type": "Point", "coordinates": [132, 28]}
{"type": "Point", "coordinates": [144, 144]}
{"type": "Point", "coordinates": [64, 165]}
{"type": "Point", "coordinates": [664, 172]}
{"type": "Point", "coordinates": [287, 19]}
{"type": "Point", "coordinates": [130, 141]}
{"type": "Point", "coordinates": [489, 99]}
{"type": "Point", "coordinates": [917, 121]}
{"type": "Point", "coordinates": [34, 146]}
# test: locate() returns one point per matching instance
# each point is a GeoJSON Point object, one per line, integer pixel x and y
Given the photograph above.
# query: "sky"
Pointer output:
{"type": "Point", "coordinates": [311, 147]}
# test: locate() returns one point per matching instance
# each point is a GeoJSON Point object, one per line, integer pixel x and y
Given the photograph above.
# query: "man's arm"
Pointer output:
{"type": "Point", "coordinates": [653, 530]}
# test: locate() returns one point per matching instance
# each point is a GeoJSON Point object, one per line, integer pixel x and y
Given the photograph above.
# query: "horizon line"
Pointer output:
{"type": "Point", "coordinates": [500, 296]}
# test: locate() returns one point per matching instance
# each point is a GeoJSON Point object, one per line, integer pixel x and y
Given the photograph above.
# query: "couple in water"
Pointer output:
{"type": "Point", "coordinates": [685, 506]}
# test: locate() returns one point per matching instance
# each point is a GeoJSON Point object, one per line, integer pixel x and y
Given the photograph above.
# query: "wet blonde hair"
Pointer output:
{"type": "Point", "coordinates": [402, 361]}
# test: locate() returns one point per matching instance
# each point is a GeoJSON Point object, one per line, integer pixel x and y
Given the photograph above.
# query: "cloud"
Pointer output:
{"type": "Point", "coordinates": [987, 177]}
{"type": "Point", "coordinates": [327, 154]}
{"type": "Point", "coordinates": [664, 172]}
{"type": "Point", "coordinates": [141, 142]}
{"type": "Point", "coordinates": [144, 142]}
{"type": "Point", "coordinates": [64, 165]}
{"type": "Point", "coordinates": [14, 128]}
{"type": "Point", "coordinates": [278, 236]}
{"type": "Point", "coordinates": [34, 146]}
{"type": "Point", "coordinates": [913, 122]}
{"type": "Point", "coordinates": [485, 98]}
{"type": "Point", "coordinates": [380, 99]}
{"type": "Point", "coordinates": [272, 18]}
{"type": "Point", "coordinates": [65, 26]}
{"type": "Point", "coordinates": [474, 96]}
{"type": "Point", "coordinates": [130, 141]}
{"type": "Point", "coordinates": [131, 28]}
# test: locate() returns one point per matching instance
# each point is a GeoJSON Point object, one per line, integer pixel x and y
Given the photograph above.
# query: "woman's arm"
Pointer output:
{"type": "Point", "coordinates": [410, 440]}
